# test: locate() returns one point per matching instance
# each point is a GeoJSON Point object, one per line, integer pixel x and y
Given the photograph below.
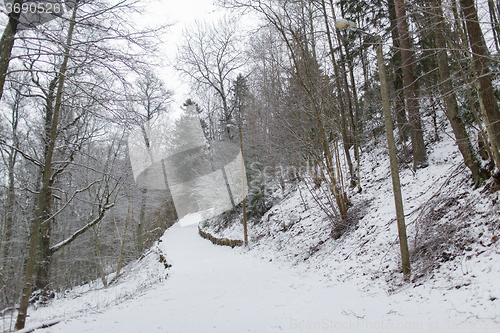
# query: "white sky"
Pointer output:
{"type": "Point", "coordinates": [182, 13]}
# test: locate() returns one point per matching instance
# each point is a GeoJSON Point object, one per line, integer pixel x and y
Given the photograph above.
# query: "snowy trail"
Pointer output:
{"type": "Point", "coordinates": [218, 289]}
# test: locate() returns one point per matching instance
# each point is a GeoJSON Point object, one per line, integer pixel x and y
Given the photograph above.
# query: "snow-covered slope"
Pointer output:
{"type": "Point", "coordinates": [135, 279]}
{"type": "Point", "coordinates": [297, 277]}
{"type": "Point", "coordinates": [452, 233]}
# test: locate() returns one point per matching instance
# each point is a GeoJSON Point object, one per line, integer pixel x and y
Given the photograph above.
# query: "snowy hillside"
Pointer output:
{"type": "Point", "coordinates": [452, 232]}
{"type": "Point", "coordinates": [298, 276]}
{"type": "Point", "coordinates": [93, 297]}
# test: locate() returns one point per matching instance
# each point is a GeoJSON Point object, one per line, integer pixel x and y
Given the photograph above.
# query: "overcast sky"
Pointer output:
{"type": "Point", "coordinates": [182, 13]}
{"type": "Point", "coordinates": [179, 13]}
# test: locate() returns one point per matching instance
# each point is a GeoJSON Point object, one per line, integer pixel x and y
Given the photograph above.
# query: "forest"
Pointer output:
{"type": "Point", "coordinates": [305, 88]}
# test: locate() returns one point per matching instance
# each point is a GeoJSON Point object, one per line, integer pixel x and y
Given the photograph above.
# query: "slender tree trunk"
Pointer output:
{"type": "Point", "coordinates": [343, 122]}
{"type": "Point", "coordinates": [401, 119]}
{"type": "Point", "coordinates": [451, 105]}
{"type": "Point", "coordinates": [356, 121]}
{"type": "Point", "coordinates": [494, 24]}
{"type": "Point", "coordinates": [43, 198]}
{"type": "Point", "coordinates": [42, 281]}
{"type": "Point", "coordinates": [347, 144]}
{"type": "Point", "coordinates": [98, 257]}
{"type": "Point", "coordinates": [486, 94]}
{"type": "Point", "coordinates": [142, 221]}
{"type": "Point", "coordinates": [243, 196]}
{"type": "Point", "coordinates": [412, 104]}
{"type": "Point", "coordinates": [5, 268]}
{"type": "Point", "coordinates": [120, 260]}
{"type": "Point", "coordinates": [396, 185]}
{"type": "Point", "coordinates": [347, 134]}
{"type": "Point", "coordinates": [168, 195]}
{"type": "Point", "coordinates": [6, 44]}
{"type": "Point", "coordinates": [9, 210]}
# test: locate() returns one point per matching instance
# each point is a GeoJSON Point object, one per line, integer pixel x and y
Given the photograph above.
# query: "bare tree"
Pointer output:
{"type": "Point", "coordinates": [449, 97]}
{"type": "Point", "coordinates": [288, 23]}
{"type": "Point", "coordinates": [43, 199]}
{"type": "Point", "coordinates": [10, 155]}
{"type": "Point", "coordinates": [411, 94]}
{"type": "Point", "coordinates": [92, 61]}
{"type": "Point", "coordinates": [210, 56]}
{"type": "Point", "coordinates": [487, 99]}
{"type": "Point", "coordinates": [149, 99]}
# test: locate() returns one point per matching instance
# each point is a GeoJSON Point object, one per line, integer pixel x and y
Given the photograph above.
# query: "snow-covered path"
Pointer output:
{"type": "Point", "coordinates": [218, 289]}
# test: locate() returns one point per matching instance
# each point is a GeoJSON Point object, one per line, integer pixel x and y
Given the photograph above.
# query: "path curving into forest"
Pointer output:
{"type": "Point", "coordinates": [218, 289]}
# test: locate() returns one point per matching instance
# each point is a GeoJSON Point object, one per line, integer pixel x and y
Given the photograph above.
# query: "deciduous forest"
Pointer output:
{"type": "Point", "coordinates": [297, 85]}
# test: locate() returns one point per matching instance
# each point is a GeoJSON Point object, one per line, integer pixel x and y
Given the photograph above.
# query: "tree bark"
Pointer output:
{"type": "Point", "coordinates": [43, 271]}
{"type": "Point", "coordinates": [451, 105]}
{"type": "Point", "coordinates": [98, 258]}
{"type": "Point", "coordinates": [401, 119]}
{"type": "Point", "coordinates": [494, 24]}
{"type": "Point", "coordinates": [343, 122]}
{"type": "Point", "coordinates": [355, 120]}
{"type": "Point", "coordinates": [11, 195]}
{"type": "Point", "coordinates": [43, 198]}
{"type": "Point", "coordinates": [142, 221]}
{"type": "Point", "coordinates": [6, 44]}
{"type": "Point", "coordinates": [486, 94]}
{"type": "Point", "coordinates": [396, 185]}
{"type": "Point", "coordinates": [412, 105]}
{"type": "Point", "coordinates": [6, 268]}
{"type": "Point", "coordinates": [122, 248]}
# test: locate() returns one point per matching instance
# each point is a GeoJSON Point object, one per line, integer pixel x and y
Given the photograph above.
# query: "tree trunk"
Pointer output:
{"type": "Point", "coordinates": [451, 105]}
{"type": "Point", "coordinates": [9, 210]}
{"type": "Point", "coordinates": [98, 258]}
{"type": "Point", "coordinates": [120, 260]}
{"type": "Point", "coordinates": [6, 269]}
{"type": "Point", "coordinates": [42, 281]}
{"type": "Point", "coordinates": [494, 24]}
{"type": "Point", "coordinates": [396, 185]}
{"type": "Point", "coordinates": [6, 44]}
{"type": "Point", "coordinates": [412, 104]}
{"type": "Point", "coordinates": [243, 196]}
{"type": "Point", "coordinates": [9, 220]}
{"type": "Point", "coordinates": [355, 120]}
{"type": "Point", "coordinates": [401, 119]}
{"type": "Point", "coordinates": [347, 144]}
{"type": "Point", "coordinates": [347, 134]}
{"type": "Point", "coordinates": [343, 122]}
{"type": "Point", "coordinates": [486, 94]}
{"type": "Point", "coordinates": [142, 221]}
{"type": "Point", "coordinates": [43, 270]}
{"type": "Point", "coordinates": [43, 198]}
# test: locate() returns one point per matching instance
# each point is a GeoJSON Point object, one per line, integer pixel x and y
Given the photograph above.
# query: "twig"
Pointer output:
{"type": "Point", "coordinates": [366, 241]}
{"type": "Point", "coordinates": [42, 325]}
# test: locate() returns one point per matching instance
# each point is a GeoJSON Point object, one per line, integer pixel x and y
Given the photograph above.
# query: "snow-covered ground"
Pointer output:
{"type": "Point", "coordinates": [218, 289]}
{"type": "Point", "coordinates": [452, 232]}
{"type": "Point", "coordinates": [297, 277]}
